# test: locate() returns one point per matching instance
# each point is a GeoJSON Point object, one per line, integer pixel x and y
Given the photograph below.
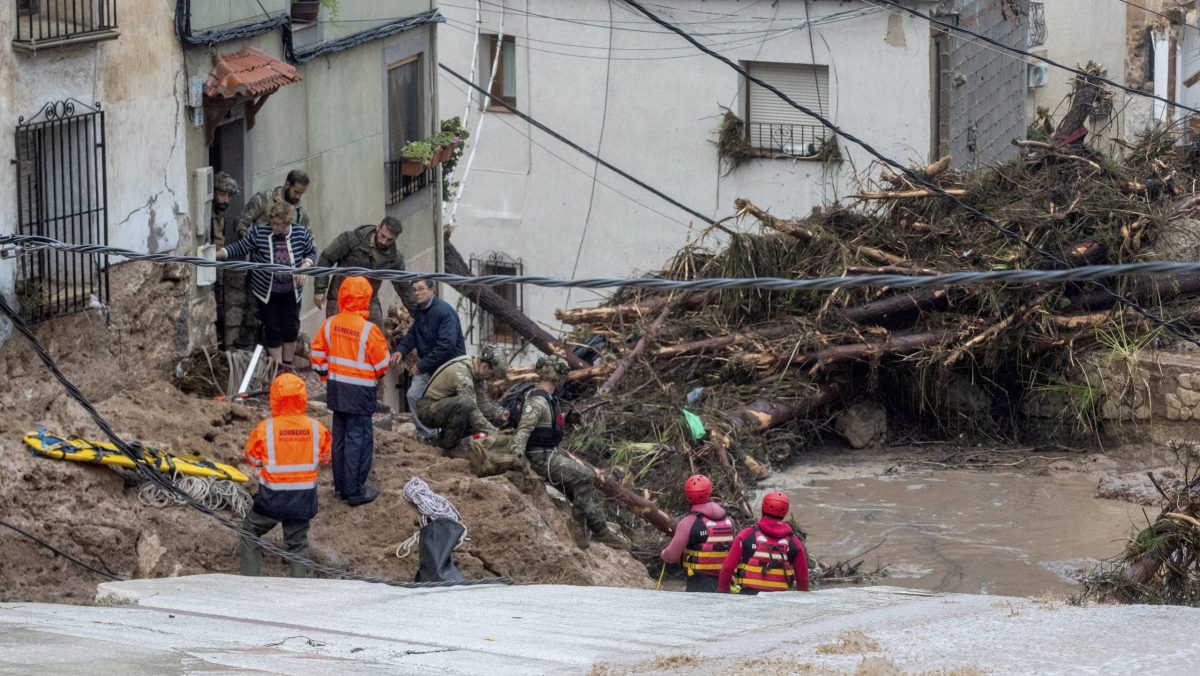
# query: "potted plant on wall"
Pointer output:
{"type": "Point", "coordinates": [416, 157]}
{"type": "Point", "coordinates": [307, 10]}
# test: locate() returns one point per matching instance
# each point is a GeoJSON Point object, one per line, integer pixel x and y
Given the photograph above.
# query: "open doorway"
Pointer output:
{"type": "Point", "coordinates": [228, 154]}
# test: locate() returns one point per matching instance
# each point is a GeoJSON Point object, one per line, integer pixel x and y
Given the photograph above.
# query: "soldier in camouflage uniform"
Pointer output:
{"type": "Point", "coordinates": [224, 189]}
{"type": "Point", "coordinates": [241, 317]}
{"type": "Point", "coordinates": [457, 399]}
{"type": "Point", "coordinates": [367, 246]}
{"type": "Point", "coordinates": [538, 435]}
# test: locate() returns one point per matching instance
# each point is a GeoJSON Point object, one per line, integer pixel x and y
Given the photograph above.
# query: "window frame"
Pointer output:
{"type": "Point", "coordinates": [497, 89]}
{"type": "Point", "coordinates": [821, 136]}
{"type": "Point", "coordinates": [492, 330]}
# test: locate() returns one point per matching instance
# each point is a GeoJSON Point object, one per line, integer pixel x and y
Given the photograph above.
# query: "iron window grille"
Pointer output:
{"type": "Point", "coordinates": [47, 23]}
{"type": "Point", "coordinates": [493, 329]}
{"type": "Point", "coordinates": [1037, 24]}
{"type": "Point", "coordinates": [401, 186]}
{"type": "Point", "coordinates": [796, 140]}
{"type": "Point", "coordinates": [62, 187]}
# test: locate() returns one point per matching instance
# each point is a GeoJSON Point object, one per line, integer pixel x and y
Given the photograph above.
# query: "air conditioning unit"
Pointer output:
{"type": "Point", "coordinates": [1039, 75]}
{"type": "Point", "coordinates": [202, 196]}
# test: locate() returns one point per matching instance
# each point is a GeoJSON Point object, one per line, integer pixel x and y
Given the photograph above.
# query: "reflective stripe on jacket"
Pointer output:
{"type": "Point", "coordinates": [768, 567]}
{"type": "Point", "coordinates": [707, 545]}
{"type": "Point", "coordinates": [349, 352]}
{"type": "Point", "coordinates": [287, 448]}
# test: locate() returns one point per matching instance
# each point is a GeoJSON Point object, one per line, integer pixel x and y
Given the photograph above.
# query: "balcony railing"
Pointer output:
{"type": "Point", "coordinates": [400, 186]}
{"type": "Point", "coordinates": [797, 140]}
{"type": "Point", "coordinates": [48, 23]}
{"type": "Point", "coordinates": [1037, 24]}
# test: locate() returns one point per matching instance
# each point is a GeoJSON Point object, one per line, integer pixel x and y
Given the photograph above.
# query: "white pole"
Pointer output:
{"type": "Point", "coordinates": [250, 369]}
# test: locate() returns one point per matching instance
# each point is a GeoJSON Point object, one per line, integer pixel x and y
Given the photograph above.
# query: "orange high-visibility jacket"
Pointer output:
{"type": "Point", "coordinates": [349, 352]}
{"type": "Point", "coordinates": [287, 447]}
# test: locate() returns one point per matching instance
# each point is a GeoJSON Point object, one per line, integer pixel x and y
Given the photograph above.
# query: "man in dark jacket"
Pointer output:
{"type": "Point", "coordinates": [437, 337]}
{"type": "Point", "coordinates": [367, 246]}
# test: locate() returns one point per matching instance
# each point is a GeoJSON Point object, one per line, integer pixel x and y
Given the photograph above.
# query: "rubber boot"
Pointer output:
{"type": "Point", "coordinates": [298, 569]}
{"type": "Point", "coordinates": [251, 562]}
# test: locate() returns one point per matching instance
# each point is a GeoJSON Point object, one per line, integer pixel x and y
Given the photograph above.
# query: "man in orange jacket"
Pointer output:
{"type": "Point", "coordinates": [351, 355]}
{"type": "Point", "coordinates": [286, 447]}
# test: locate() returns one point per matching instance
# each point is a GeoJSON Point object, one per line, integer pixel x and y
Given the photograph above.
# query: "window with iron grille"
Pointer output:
{"type": "Point", "coordinates": [1037, 24]}
{"type": "Point", "coordinates": [49, 23]}
{"type": "Point", "coordinates": [405, 103]}
{"type": "Point", "coordinates": [61, 194]}
{"type": "Point", "coordinates": [493, 329]}
{"type": "Point", "coordinates": [772, 124]}
{"type": "Point", "coordinates": [504, 86]}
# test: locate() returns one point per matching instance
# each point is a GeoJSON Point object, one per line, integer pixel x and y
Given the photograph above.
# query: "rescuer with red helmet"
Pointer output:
{"type": "Point", "coordinates": [702, 538]}
{"type": "Point", "coordinates": [766, 556]}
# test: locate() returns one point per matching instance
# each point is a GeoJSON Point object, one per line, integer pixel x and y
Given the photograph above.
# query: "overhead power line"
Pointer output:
{"type": "Point", "coordinates": [608, 165]}
{"type": "Point", "coordinates": [950, 279]}
{"type": "Point", "coordinates": [37, 540]}
{"type": "Point", "coordinates": [1168, 17]}
{"type": "Point", "coordinates": [1015, 50]}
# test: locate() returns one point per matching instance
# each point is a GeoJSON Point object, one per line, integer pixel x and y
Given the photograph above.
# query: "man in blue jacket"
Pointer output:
{"type": "Point", "coordinates": [437, 337]}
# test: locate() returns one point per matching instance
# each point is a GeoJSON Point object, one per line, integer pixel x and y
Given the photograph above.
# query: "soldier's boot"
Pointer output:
{"type": "Point", "coordinates": [612, 536]}
{"type": "Point", "coordinates": [251, 561]}
{"type": "Point", "coordinates": [298, 569]}
{"type": "Point", "coordinates": [581, 534]}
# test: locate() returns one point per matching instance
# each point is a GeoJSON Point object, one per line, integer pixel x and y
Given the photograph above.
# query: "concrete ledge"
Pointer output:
{"type": "Point", "coordinates": [221, 622]}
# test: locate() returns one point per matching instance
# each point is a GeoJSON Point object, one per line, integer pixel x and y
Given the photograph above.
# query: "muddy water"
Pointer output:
{"type": "Point", "coordinates": [962, 531]}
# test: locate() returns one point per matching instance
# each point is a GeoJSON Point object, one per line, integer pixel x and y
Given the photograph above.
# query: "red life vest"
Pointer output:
{"type": "Point", "coordinates": [707, 545]}
{"type": "Point", "coordinates": [766, 566]}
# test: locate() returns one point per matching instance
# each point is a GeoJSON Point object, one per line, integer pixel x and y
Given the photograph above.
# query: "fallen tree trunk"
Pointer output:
{"type": "Point", "coordinates": [909, 194]}
{"type": "Point", "coordinates": [787, 227]}
{"type": "Point", "coordinates": [642, 506]}
{"type": "Point", "coordinates": [490, 301]}
{"type": "Point", "coordinates": [623, 366]}
{"type": "Point", "coordinates": [762, 415]}
{"type": "Point", "coordinates": [627, 313]}
{"type": "Point", "coordinates": [1149, 290]}
{"type": "Point", "coordinates": [892, 345]}
{"type": "Point", "coordinates": [901, 308]}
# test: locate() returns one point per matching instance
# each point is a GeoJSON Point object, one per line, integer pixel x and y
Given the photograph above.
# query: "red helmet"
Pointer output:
{"type": "Point", "coordinates": [697, 489]}
{"type": "Point", "coordinates": [775, 504]}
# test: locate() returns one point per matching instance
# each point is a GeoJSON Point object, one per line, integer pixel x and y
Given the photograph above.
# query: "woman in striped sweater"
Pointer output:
{"type": "Point", "coordinates": [286, 243]}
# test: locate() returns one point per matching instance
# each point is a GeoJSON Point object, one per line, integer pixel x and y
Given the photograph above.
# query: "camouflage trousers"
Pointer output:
{"type": "Point", "coordinates": [459, 417]}
{"type": "Point", "coordinates": [574, 480]}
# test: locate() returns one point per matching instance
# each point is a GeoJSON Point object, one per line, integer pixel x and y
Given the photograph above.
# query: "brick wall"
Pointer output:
{"type": "Point", "coordinates": [986, 89]}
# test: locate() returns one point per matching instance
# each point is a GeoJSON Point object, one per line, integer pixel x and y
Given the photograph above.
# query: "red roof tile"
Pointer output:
{"type": "Point", "coordinates": [250, 72]}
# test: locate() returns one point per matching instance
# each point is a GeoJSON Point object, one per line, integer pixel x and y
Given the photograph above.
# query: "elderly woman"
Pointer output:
{"type": "Point", "coordinates": [285, 243]}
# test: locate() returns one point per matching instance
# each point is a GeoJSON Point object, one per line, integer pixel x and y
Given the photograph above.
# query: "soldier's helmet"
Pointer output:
{"type": "Point", "coordinates": [552, 367]}
{"type": "Point", "coordinates": [495, 357]}
{"type": "Point", "coordinates": [225, 183]}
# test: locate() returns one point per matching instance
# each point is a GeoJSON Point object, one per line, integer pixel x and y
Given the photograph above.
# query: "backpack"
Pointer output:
{"type": "Point", "coordinates": [514, 402]}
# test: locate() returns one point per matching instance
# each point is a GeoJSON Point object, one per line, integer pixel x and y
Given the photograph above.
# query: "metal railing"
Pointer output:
{"type": "Point", "coordinates": [797, 140]}
{"type": "Point", "coordinates": [400, 186]}
{"type": "Point", "coordinates": [45, 22]}
{"type": "Point", "coordinates": [1037, 24]}
{"type": "Point", "coordinates": [62, 188]}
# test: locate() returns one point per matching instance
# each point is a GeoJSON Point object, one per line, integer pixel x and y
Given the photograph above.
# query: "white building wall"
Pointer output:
{"type": "Point", "coordinates": [528, 195]}
{"type": "Point", "coordinates": [137, 80]}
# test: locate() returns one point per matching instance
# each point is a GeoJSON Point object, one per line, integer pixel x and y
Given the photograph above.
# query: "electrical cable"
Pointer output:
{"type": "Point", "coordinates": [961, 278]}
{"type": "Point", "coordinates": [149, 472]}
{"type": "Point", "coordinates": [1168, 17]}
{"type": "Point", "coordinates": [608, 165]}
{"type": "Point", "coordinates": [1015, 50]}
{"type": "Point", "coordinates": [912, 175]}
{"type": "Point", "coordinates": [60, 552]}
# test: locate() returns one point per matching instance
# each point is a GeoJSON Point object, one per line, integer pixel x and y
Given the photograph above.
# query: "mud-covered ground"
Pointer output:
{"type": "Point", "coordinates": [125, 366]}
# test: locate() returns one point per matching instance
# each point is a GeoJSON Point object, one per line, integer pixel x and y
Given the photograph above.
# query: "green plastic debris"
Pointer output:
{"type": "Point", "coordinates": [695, 425]}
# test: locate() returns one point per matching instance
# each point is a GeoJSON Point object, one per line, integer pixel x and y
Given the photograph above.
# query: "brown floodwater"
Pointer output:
{"type": "Point", "coordinates": [965, 531]}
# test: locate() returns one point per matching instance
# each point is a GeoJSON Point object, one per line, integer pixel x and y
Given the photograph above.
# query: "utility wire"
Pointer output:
{"type": "Point", "coordinates": [608, 165]}
{"type": "Point", "coordinates": [1015, 50]}
{"type": "Point", "coordinates": [149, 472]}
{"type": "Point", "coordinates": [59, 552]}
{"type": "Point", "coordinates": [912, 175]}
{"type": "Point", "coordinates": [1168, 17]}
{"type": "Point", "coordinates": [962, 278]}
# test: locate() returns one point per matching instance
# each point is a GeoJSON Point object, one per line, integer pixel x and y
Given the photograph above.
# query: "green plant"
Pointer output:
{"type": "Point", "coordinates": [453, 128]}
{"type": "Point", "coordinates": [418, 150]}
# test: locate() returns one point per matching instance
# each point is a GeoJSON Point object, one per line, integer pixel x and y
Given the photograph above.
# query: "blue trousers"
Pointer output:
{"type": "Point", "coordinates": [353, 451]}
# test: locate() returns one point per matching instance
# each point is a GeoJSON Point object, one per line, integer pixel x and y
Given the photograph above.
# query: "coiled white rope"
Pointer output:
{"type": "Point", "coordinates": [211, 492]}
{"type": "Point", "coordinates": [432, 506]}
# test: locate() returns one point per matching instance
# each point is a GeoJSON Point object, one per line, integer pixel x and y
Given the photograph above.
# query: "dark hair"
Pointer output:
{"type": "Point", "coordinates": [297, 177]}
{"type": "Point", "coordinates": [427, 282]}
{"type": "Point", "coordinates": [393, 224]}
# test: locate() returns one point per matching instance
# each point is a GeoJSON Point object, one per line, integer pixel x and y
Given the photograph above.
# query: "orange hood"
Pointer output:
{"type": "Point", "coordinates": [288, 395]}
{"type": "Point", "coordinates": [354, 295]}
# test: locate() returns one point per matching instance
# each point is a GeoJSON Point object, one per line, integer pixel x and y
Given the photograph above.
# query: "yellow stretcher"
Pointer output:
{"type": "Point", "coordinates": [104, 453]}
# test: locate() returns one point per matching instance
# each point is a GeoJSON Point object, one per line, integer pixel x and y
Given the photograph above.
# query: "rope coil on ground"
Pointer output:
{"type": "Point", "coordinates": [215, 494]}
{"type": "Point", "coordinates": [432, 506]}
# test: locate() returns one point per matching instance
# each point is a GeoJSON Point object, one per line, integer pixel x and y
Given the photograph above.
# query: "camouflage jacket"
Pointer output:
{"type": "Point", "coordinates": [256, 210]}
{"type": "Point", "coordinates": [353, 249]}
{"type": "Point", "coordinates": [217, 232]}
{"type": "Point", "coordinates": [457, 377]}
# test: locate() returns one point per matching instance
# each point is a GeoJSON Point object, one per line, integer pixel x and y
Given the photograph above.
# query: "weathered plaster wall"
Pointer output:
{"type": "Point", "coordinates": [136, 79]}
{"type": "Point", "coordinates": [653, 110]}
